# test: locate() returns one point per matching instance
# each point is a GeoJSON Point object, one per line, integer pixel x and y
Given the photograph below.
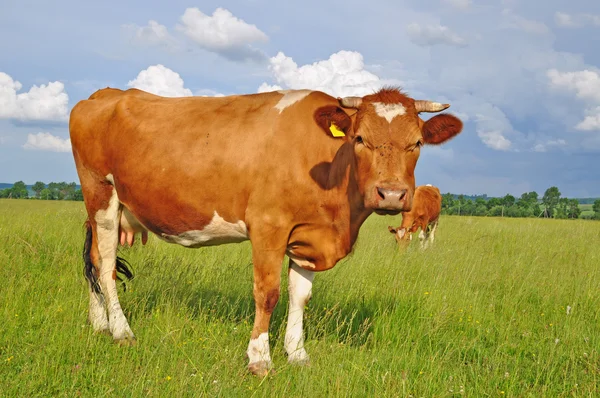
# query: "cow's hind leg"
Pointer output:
{"type": "Point", "coordinates": [431, 234]}
{"type": "Point", "coordinates": [106, 225]}
{"type": "Point", "coordinates": [299, 288]}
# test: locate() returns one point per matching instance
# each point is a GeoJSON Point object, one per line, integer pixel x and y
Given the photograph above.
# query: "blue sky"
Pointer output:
{"type": "Point", "coordinates": [524, 75]}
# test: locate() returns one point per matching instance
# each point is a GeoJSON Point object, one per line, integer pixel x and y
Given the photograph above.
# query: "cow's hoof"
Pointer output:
{"type": "Point", "coordinates": [299, 357]}
{"type": "Point", "coordinates": [127, 341]}
{"type": "Point", "coordinates": [261, 368]}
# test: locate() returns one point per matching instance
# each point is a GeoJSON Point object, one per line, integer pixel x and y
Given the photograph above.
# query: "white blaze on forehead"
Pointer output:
{"type": "Point", "coordinates": [290, 97]}
{"type": "Point", "coordinates": [428, 185]}
{"type": "Point", "coordinates": [389, 111]}
{"type": "Point", "coordinates": [258, 349]}
{"type": "Point", "coordinates": [217, 232]}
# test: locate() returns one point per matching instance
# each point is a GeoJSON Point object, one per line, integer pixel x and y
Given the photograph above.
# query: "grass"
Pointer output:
{"type": "Point", "coordinates": [498, 307]}
{"type": "Point", "coordinates": [586, 210]}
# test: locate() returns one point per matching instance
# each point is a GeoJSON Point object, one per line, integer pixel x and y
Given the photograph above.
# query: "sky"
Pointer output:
{"type": "Point", "coordinates": [523, 75]}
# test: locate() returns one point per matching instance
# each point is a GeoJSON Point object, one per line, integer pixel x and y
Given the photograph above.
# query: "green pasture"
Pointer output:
{"type": "Point", "coordinates": [586, 209]}
{"type": "Point", "coordinates": [497, 308]}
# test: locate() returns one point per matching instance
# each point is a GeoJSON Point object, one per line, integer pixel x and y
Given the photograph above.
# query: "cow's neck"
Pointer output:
{"type": "Point", "coordinates": [342, 178]}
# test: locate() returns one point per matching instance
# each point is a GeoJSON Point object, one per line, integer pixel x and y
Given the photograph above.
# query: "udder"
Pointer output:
{"type": "Point", "coordinates": [129, 226]}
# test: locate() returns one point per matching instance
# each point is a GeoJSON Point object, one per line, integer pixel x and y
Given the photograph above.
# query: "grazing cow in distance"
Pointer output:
{"type": "Point", "coordinates": [425, 213]}
{"type": "Point", "coordinates": [295, 172]}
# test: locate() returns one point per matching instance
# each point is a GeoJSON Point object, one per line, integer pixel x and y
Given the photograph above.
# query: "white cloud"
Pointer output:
{"type": "Point", "coordinates": [591, 121]}
{"type": "Point", "coordinates": [585, 83]}
{"type": "Point", "coordinates": [343, 74]}
{"type": "Point", "coordinates": [544, 146]}
{"type": "Point", "coordinates": [160, 80]}
{"type": "Point", "coordinates": [47, 142]}
{"type": "Point", "coordinates": [462, 4]}
{"type": "Point", "coordinates": [565, 20]}
{"type": "Point", "coordinates": [222, 33]}
{"type": "Point", "coordinates": [431, 35]}
{"type": "Point", "coordinates": [206, 92]}
{"type": "Point", "coordinates": [152, 34]}
{"type": "Point", "coordinates": [527, 25]}
{"type": "Point", "coordinates": [45, 102]}
{"type": "Point", "coordinates": [265, 88]}
{"type": "Point", "coordinates": [494, 139]}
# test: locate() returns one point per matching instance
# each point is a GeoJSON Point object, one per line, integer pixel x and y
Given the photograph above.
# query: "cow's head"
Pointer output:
{"type": "Point", "coordinates": [402, 235]}
{"type": "Point", "coordinates": [387, 134]}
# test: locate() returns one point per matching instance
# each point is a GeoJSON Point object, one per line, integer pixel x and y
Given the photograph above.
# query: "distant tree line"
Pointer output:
{"type": "Point", "coordinates": [52, 191]}
{"type": "Point", "coordinates": [551, 205]}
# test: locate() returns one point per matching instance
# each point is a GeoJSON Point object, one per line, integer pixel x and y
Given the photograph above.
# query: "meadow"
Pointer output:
{"type": "Point", "coordinates": [498, 307]}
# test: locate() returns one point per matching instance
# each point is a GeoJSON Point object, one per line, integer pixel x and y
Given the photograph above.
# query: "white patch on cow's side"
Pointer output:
{"type": "Point", "coordinates": [217, 232]}
{"type": "Point", "coordinates": [300, 290]}
{"type": "Point", "coordinates": [107, 228]}
{"type": "Point", "coordinates": [290, 97]}
{"type": "Point", "coordinates": [389, 111]}
{"type": "Point", "coordinates": [258, 349]}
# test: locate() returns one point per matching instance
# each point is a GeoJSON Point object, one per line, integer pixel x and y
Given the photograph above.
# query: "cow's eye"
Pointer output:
{"type": "Point", "coordinates": [419, 144]}
{"type": "Point", "coordinates": [359, 139]}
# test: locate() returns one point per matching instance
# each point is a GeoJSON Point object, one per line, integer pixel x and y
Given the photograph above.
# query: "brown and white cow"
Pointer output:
{"type": "Point", "coordinates": [295, 172]}
{"type": "Point", "coordinates": [425, 214]}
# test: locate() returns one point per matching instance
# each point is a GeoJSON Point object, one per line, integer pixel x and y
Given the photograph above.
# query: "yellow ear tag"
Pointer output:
{"type": "Point", "coordinates": [335, 131]}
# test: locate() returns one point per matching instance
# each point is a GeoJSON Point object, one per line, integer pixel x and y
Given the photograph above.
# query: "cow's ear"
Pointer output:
{"type": "Point", "coordinates": [441, 128]}
{"type": "Point", "coordinates": [334, 121]}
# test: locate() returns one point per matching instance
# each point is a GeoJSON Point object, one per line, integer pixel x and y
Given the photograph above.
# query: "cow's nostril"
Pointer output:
{"type": "Point", "coordinates": [381, 193]}
{"type": "Point", "coordinates": [402, 194]}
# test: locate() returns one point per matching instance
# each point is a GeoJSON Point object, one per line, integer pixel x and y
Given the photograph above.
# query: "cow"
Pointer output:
{"type": "Point", "coordinates": [425, 214]}
{"type": "Point", "coordinates": [295, 172]}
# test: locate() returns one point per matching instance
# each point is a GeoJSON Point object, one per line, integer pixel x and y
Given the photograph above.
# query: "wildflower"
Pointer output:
{"type": "Point", "coordinates": [168, 378]}
{"type": "Point", "coordinates": [10, 358]}
{"type": "Point", "coordinates": [426, 293]}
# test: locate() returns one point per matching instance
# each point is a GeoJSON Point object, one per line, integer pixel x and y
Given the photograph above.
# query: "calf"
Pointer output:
{"type": "Point", "coordinates": [425, 213]}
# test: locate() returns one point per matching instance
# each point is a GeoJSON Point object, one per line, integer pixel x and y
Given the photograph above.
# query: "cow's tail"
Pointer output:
{"type": "Point", "coordinates": [89, 269]}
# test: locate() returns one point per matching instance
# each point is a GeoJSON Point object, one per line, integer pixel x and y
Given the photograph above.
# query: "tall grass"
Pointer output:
{"type": "Point", "coordinates": [498, 307]}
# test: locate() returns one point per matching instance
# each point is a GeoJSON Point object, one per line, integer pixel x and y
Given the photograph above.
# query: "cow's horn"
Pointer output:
{"type": "Point", "coordinates": [430, 106]}
{"type": "Point", "coordinates": [350, 102]}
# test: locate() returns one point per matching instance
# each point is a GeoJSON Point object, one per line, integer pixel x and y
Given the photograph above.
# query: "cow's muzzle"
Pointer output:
{"type": "Point", "coordinates": [391, 200]}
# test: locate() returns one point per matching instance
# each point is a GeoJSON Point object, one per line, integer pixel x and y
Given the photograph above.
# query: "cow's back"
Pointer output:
{"type": "Point", "coordinates": [196, 153]}
{"type": "Point", "coordinates": [428, 202]}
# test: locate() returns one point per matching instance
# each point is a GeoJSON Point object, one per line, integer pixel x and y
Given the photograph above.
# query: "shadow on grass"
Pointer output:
{"type": "Point", "coordinates": [346, 321]}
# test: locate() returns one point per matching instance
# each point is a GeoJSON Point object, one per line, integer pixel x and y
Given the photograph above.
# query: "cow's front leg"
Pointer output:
{"type": "Point", "coordinates": [300, 289]}
{"type": "Point", "coordinates": [267, 278]}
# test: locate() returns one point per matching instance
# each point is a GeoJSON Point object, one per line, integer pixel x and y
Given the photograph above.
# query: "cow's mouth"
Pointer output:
{"type": "Point", "coordinates": [387, 212]}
